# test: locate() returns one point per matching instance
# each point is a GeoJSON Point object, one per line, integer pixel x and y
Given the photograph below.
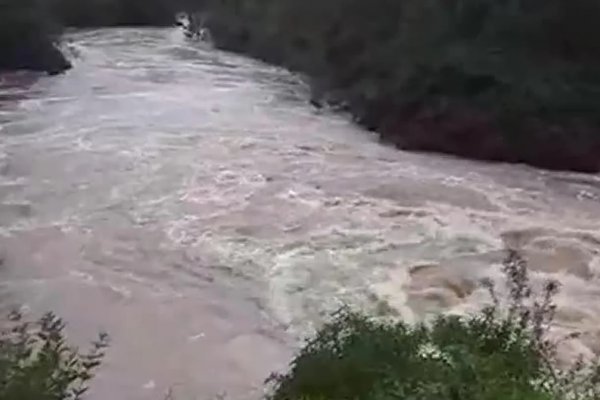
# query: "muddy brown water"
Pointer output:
{"type": "Point", "coordinates": [191, 203]}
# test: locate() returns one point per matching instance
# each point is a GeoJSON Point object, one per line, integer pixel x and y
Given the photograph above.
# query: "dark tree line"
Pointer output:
{"type": "Point", "coordinates": [513, 80]}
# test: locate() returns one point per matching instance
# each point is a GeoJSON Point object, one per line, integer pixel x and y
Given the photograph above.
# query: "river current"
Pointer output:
{"type": "Point", "coordinates": [194, 205]}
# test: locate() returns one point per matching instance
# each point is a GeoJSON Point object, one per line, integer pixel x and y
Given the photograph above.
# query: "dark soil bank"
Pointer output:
{"type": "Point", "coordinates": [515, 81]}
{"type": "Point", "coordinates": [29, 38]}
{"type": "Point", "coordinates": [36, 57]}
{"type": "Point", "coordinates": [30, 30]}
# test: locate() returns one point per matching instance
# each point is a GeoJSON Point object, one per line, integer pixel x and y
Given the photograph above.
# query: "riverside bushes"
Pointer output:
{"type": "Point", "coordinates": [513, 80]}
{"type": "Point", "coordinates": [502, 353]}
{"type": "Point", "coordinates": [36, 363]}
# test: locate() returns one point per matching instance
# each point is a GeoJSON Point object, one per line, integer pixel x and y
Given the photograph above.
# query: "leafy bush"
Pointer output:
{"type": "Point", "coordinates": [36, 363]}
{"type": "Point", "coordinates": [499, 354]}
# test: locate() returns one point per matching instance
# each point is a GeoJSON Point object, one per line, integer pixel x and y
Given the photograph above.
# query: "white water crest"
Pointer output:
{"type": "Point", "coordinates": [191, 203]}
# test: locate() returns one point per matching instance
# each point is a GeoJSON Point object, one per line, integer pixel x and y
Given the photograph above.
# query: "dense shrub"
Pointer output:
{"type": "Point", "coordinates": [502, 353]}
{"type": "Point", "coordinates": [516, 80]}
{"type": "Point", "coordinates": [36, 363]}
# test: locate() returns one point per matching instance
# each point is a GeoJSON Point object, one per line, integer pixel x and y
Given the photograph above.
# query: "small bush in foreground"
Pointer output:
{"type": "Point", "coordinates": [36, 363]}
{"type": "Point", "coordinates": [501, 353]}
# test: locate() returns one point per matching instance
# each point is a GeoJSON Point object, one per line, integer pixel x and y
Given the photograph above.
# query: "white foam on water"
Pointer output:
{"type": "Point", "coordinates": [191, 203]}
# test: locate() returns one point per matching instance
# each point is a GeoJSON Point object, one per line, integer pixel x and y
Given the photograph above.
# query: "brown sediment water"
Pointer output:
{"type": "Point", "coordinates": [191, 203]}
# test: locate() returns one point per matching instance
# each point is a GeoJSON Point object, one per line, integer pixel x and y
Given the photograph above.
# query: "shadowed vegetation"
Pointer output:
{"type": "Point", "coordinates": [30, 29]}
{"type": "Point", "coordinates": [508, 80]}
{"type": "Point", "coordinates": [36, 363]}
{"type": "Point", "coordinates": [512, 80]}
{"type": "Point", "coordinates": [29, 37]}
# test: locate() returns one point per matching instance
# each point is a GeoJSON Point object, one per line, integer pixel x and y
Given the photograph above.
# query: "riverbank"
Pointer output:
{"type": "Point", "coordinates": [29, 38]}
{"type": "Point", "coordinates": [513, 81]}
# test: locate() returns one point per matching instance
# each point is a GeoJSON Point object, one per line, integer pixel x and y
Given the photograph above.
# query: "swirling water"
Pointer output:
{"type": "Point", "coordinates": [191, 203]}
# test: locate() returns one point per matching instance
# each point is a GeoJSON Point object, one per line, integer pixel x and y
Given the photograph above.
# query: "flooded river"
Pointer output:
{"type": "Point", "coordinates": [191, 203]}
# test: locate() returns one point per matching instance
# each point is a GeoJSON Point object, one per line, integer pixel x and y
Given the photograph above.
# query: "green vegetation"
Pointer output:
{"type": "Point", "coordinates": [502, 353]}
{"type": "Point", "coordinates": [36, 363]}
{"type": "Point", "coordinates": [513, 80]}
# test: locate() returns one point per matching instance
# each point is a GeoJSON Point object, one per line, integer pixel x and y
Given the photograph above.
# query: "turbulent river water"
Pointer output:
{"type": "Point", "coordinates": [191, 203]}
